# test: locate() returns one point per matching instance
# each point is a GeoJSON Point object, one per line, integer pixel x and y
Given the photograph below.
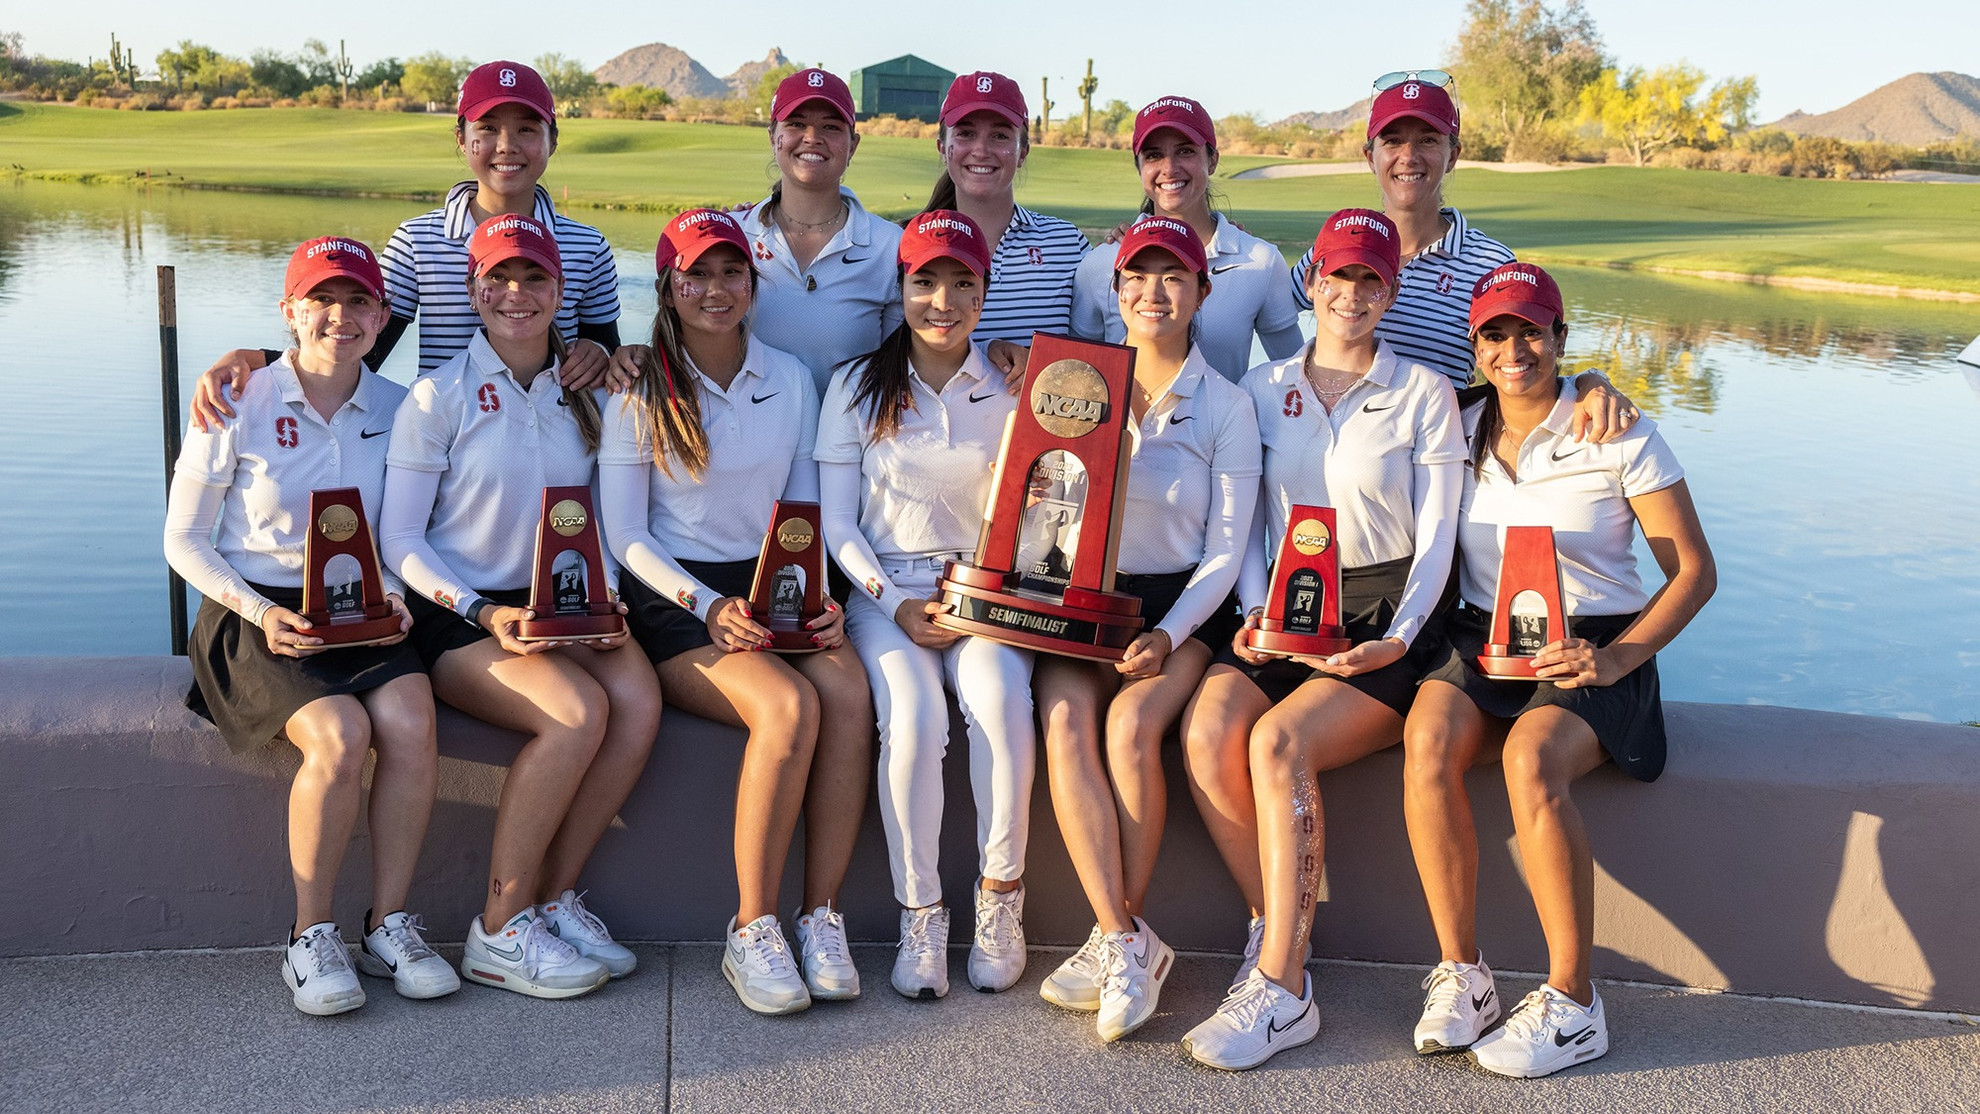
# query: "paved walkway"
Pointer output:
{"type": "Point", "coordinates": [213, 1031]}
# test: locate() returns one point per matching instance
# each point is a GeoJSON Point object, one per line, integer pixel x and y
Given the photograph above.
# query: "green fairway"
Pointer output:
{"type": "Point", "coordinates": [1911, 235]}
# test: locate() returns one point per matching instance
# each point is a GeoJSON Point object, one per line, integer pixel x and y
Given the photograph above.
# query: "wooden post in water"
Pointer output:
{"type": "Point", "coordinates": [168, 382]}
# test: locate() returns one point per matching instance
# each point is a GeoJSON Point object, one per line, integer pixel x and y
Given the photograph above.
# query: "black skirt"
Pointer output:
{"type": "Point", "coordinates": [1369, 598]}
{"type": "Point", "coordinates": [1158, 592]}
{"type": "Point", "coordinates": [249, 693]}
{"type": "Point", "coordinates": [436, 629]}
{"type": "Point", "coordinates": [665, 629]}
{"type": "Point", "coordinates": [1628, 716]}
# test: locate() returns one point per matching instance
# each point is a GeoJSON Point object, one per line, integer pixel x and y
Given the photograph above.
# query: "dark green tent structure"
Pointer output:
{"type": "Point", "coordinates": [908, 87]}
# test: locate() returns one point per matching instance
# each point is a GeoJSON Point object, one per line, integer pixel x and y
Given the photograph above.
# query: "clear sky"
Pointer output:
{"type": "Point", "coordinates": [1272, 58]}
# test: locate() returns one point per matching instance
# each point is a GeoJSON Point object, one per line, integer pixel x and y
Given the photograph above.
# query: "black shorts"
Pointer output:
{"type": "Point", "coordinates": [1369, 597]}
{"type": "Point", "coordinates": [249, 693]}
{"type": "Point", "coordinates": [1158, 592]}
{"type": "Point", "coordinates": [665, 629]}
{"type": "Point", "coordinates": [1628, 716]}
{"type": "Point", "coordinates": [436, 629]}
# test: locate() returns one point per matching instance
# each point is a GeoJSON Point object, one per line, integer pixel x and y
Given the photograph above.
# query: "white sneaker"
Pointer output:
{"type": "Point", "coordinates": [317, 971]}
{"type": "Point", "coordinates": [1257, 1020]}
{"type": "Point", "coordinates": [828, 967]}
{"type": "Point", "coordinates": [1076, 984]}
{"type": "Point", "coordinates": [395, 950]}
{"type": "Point", "coordinates": [526, 957]}
{"type": "Point", "coordinates": [757, 962]}
{"type": "Point", "coordinates": [996, 958]}
{"type": "Point", "coordinates": [1461, 1004]}
{"type": "Point", "coordinates": [1137, 964]}
{"type": "Point", "coordinates": [1254, 940]}
{"type": "Point", "coordinates": [1547, 1031]}
{"type": "Point", "coordinates": [581, 929]}
{"type": "Point", "coordinates": [921, 966]}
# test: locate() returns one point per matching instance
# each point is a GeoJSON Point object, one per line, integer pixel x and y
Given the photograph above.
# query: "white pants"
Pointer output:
{"type": "Point", "coordinates": [992, 683]}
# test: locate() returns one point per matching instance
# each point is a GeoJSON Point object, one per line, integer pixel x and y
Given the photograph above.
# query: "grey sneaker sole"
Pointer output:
{"type": "Point", "coordinates": [766, 1006]}
{"type": "Point", "coordinates": [1060, 995]}
{"type": "Point", "coordinates": [493, 975]}
{"type": "Point", "coordinates": [435, 987]}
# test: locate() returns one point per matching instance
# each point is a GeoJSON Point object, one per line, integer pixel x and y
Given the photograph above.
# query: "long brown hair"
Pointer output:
{"type": "Point", "coordinates": [883, 390]}
{"type": "Point", "coordinates": [669, 405]}
{"type": "Point", "coordinates": [583, 407]}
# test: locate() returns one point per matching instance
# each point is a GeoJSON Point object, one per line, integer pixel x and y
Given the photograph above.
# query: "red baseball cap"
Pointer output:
{"type": "Point", "coordinates": [692, 233]}
{"type": "Point", "coordinates": [1429, 103]}
{"type": "Point", "coordinates": [494, 83]}
{"type": "Point", "coordinates": [1167, 233]}
{"type": "Point", "coordinates": [944, 234]}
{"type": "Point", "coordinates": [1180, 113]}
{"type": "Point", "coordinates": [1521, 289]}
{"type": "Point", "coordinates": [1358, 236]}
{"type": "Point", "coordinates": [805, 86]}
{"type": "Point", "coordinates": [511, 237]}
{"type": "Point", "coordinates": [984, 91]}
{"type": "Point", "coordinates": [328, 257]}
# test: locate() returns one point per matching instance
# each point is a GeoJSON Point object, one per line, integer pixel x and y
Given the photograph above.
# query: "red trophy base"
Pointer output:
{"type": "Point", "coordinates": [572, 628]}
{"type": "Point", "coordinates": [1096, 626]}
{"type": "Point", "coordinates": [797, 641]}
{"type": "Point", "coordinates": [1500, 664]}
{"type": "Point", "coordinates": [364, 629]}
{"type": "Point", "coordinates": [1269, 638]}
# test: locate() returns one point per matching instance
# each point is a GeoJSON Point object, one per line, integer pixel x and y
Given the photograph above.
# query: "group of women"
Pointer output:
{"type": "Point", "coordinates": [806, 349]}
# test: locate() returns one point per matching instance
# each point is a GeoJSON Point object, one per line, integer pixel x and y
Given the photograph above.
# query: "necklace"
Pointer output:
{"type": "Point", "coordinates": [1332, 387]}
{"type": "Point", "coordinates": [784, 215]}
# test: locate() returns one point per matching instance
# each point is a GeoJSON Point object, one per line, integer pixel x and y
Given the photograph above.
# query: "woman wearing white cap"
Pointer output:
{"type": "Point", "coordinates": [506, 130]}
{"type": "Point", "coordinates": [259, 671]}
{"type": "Point", "coordinates": [1191, 488]}
{"type": "Point", "coordinates": [1175, 149]}
{"type": "Point", "coordinates": [716, 430]}
{"type": "Point", "coordinates": [472, 448]}
{"type": "Point", "coordinates": [1596, 699]}
{"type": "Point", "coordinates": [907, 439]}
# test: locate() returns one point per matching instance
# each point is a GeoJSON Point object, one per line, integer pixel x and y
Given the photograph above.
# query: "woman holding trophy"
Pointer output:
{"type": "Point", "coordinates": [263, 672]}
{"type": "Point", "coordinates": [907, 439]}
{"type": "Point", "coordinates": [1190, 495]}
{"type": "Point", "coordinates": [718, 427]}
{"type": "Point", "coordinates": [473, 447]}
{"type": "Point", "coordinates": [1593, 698]}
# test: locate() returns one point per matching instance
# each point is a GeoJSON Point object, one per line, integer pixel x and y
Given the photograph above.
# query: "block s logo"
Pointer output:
{"type": "Point", "coordinates": [1445, 282]}
{"type": "Point", "coordinates": [490, 398]}
{"type": "Point", "coordinates": [507, 78]}
{"type": "Point", "coordinates": [286, 433]}
{"type": "Point", "coordinates": [1412, 91]}
{"type": "Point", "coordinates": [1295, 406]}
{"type": "Point", "coordinates": [814, 79]}
{"type": "Point", "coordinates": [983, 85]}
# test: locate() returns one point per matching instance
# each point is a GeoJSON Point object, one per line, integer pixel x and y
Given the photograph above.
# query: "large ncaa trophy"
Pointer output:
{"type": "Point", "coordinates": [789, 590]}
{"type": "Point", "coordinates": [343, 591]}
{"type": "Point", "coordinates": [1303, 612]}
{"type": "Point", "coordinates": [1043, 578]}
{"type": "Point", "coordinates": [1528, 613]}
{"type": "Point", "coordinates": [568, 591]}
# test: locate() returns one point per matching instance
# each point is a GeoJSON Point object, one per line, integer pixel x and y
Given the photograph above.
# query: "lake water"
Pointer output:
{"type": "Point", "coordinates": [1830, 442]}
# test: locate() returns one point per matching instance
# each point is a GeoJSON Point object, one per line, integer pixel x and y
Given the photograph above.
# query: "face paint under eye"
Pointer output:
{"type": "Point", "coordinates": [688, 288]}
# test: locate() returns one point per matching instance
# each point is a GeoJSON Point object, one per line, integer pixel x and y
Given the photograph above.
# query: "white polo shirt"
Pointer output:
{"type": "Point", "coordinates": [757, 429]}
{"type": "Point", "coordinates": [1248, 296]}
{"type": "Point", "coordinates": [839, 307]}
{"type": "Point", "coordinates": [495, 447]}
{"type": "Point", "coordinates": [426, 270]}
{"type": "Point", "coordinates": [923, 491]}
{"type": "Point", "coordinates": [1031, 279]}
{"type": "Point", "coordinates": [1579, 488]}
{"type": "Point", "coordinates": [274, 452]}
{"type": "Point", "coordinates": [1360, 458]}
{"type": "Point", "coordinates": [1429, 323]}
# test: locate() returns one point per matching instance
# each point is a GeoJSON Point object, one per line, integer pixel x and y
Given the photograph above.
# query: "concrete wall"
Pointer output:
{"type": "Point", "coordinates": [1784, 852]}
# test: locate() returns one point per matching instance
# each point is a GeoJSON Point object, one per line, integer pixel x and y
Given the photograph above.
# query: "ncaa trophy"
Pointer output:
{"type": "Point", "coordinates": [1303, 612]}
{"type": "Point", "coordinates": [1043, 578]}
{"type": "Point", "coordinates": [343, 591]}
{"type": "Point", "coordinates": [1528, 613]}
{"type": "Point", "coordinates": [789, 589]}
{"type": "Point", "coordinates": [568, 591]}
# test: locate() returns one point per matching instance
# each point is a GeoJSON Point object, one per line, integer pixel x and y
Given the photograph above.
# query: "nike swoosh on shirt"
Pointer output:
{"type": "Point", "coordinates": [857, 258]}
{"type": "Point", "coordinates": [370, 433]}
{"type": "Point", "coordinates": [1178, 419]}
{"type": "Point", "coordinates": [1558, 457]}
{"type": "Point", "coordinates": [563, 402]}
{"type": "Point", "coordinates": [980, 398]}
{"type": "Point", "coordinates": [760, 399]}
{"type": "Point", "coordinates": [1371, 408]}
{"type": "Point", "coordinates": [1225, 267]}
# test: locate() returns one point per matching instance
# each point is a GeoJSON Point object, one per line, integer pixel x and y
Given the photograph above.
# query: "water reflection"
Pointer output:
{"type": "Point", "coordinates": [1658, 364]}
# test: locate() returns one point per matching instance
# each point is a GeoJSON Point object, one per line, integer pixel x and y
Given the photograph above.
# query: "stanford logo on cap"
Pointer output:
{"type": "Point", "coordinates": [507, 78]}
{"type": "Point", "coordinates": [1412, 91]}
{"type": "Point", "coordinates": [339, 246]}
{"type": "Point", "coordinates": [983, 85]}
{"type": "Point", "coordinates": [1351, 225]}
{"type": "Point", "coordinates": [1164, 224]}
{"type": "Point", "coordinates": [814, 79]}
{"type": "Point", "coordinates": [937, 223]}
{"type": "Point", "coordinates": [1527, 277]}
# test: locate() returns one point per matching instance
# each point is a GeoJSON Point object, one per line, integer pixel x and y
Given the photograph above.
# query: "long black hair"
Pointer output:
{"type": "Point", "coordinates": [881, 388]}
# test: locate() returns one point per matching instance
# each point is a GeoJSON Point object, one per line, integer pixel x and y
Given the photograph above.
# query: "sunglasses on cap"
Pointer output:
{"type": "Point", "coordinates": [1390, 80]}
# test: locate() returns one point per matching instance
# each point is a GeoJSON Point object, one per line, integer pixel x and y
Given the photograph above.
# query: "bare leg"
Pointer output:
{"type": "Point", "coordinates": [402, 787]}
{"type": "Point", "coordinates": [334, 735]}
{"type": "Point", "coordinates": [1216, 731]}
{"type": "Point", "coordinates": [1070, 697]}
{"type": "Point", "coordinates": [1136, 722]}
{"type": "Point", "coordinates": [1444, 736]}
{"type": "Point", "coordinates": [632, 706]}
{"type": "Point", "coordinates": [841, 769]}
{"type": "Point", "coordinates": [1546, 750]}
{"type": "Point", "coordinates": [1322, 726]}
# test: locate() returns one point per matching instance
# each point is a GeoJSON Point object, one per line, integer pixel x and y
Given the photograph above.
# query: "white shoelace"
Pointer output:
{"type": "Point", "coordinates": [997, 924]}
{"type": "Point", "coordinates": [1114, 962]}
{"type": "Point", "coordinates": [766, 946]}
{"type": "Point", "coordinates": [1534, 1013]}
{"type": "Point", "coordinates": [539, 945]}
{"type": "Point", "coordinates": [826, 938]}
{"type": "Point", "coordinates": [1249, 1001]}
{"type": "Point", "coordinates": [1444, 985]}
{"type": "Point", "coordinates": [1090, 960]}
{"type": "Point", "coordinates": [575, 907]}
{"type": "Point", "coordinates": [327, 953]}
{"type": "Point", "coordinates": [918, 934]}
{"type": "Point", "coordinates": [405, 937]}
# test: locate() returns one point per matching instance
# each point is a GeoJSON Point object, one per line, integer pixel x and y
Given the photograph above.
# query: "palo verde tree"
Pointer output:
{"type": "Point", "coordinates": [1648, 112]}
{"type": "Point", "coordinates": [1521, 66]}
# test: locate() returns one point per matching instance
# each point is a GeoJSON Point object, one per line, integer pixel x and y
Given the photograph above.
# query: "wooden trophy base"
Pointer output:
{"type": "Point", "coordinates": [572, 628]}
{"type": "Point", "coordinates": [792, 640]}
{"type": "Point", "coordinates": [1499, 664]}
{"type": "Point", "coordinates": [1096, 626]}
{"type": "Point", "coordinates": [1268, 638]}
{"type": "Point", "coordinates": [358, 630]}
